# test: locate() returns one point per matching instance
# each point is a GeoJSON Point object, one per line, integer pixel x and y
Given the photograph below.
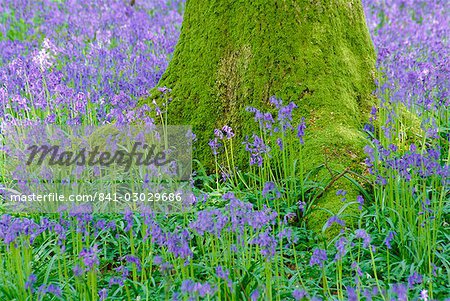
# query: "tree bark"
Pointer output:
{"type": "Point", "coordinates": [233, 54]}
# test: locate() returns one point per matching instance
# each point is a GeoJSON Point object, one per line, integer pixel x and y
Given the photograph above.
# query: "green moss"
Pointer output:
{"type": "Point", "coordinates": [234, 54]}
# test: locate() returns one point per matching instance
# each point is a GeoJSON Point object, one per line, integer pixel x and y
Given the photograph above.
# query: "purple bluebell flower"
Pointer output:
{"type": "Point", "coordinates": [228, 131]}
{"type": "Point", "coordinates": [50, 289]}
{"type": "Point", "coordinates": [270, 187]}
{"type": "Point", "coordinates": [256, 149]}
{"type": "Point", "coordinates": [362, 234]}
{"type": "Point", "coordinates": [214, 145]}
{"type": "Point", "coordinates": [351, 294]}
{"type": "Point", "coordinates": [267, 244]}
{"type": "Point", "coordinates": [204, 289]}
{"type": "Point", "coordinates": [401, 291]}
{"type": "Point", "coordinates": [103, 294]}
{"type": "Point", "coordinates": [414, 279]}
{"type": "Point", "coordinates": [373, 112]}
{"type": "Point", "coordinates": [318, 258]}
{"type": "Point", "coordinates": [389, 239]}
{"type": "Point", "coordinates": [254, 296]}
{"type": "Point", "coordinates": [341, 245]}
{"type": "Point", "coordinates": [301, 130]}
{"type": "Point", "coordinates": [90, 257]}
{"type": "Point", "coordinates": [128, 217]}
{"type": "Point", "coordinates": [30, 281]}
{"type": "Point", "coordinates": [334, 220]}
{"type": "Point", "coordinates": [178, 244]}
{"type": "Point", "coordinates": [276, 102]}
{"type": "Point", "coordinates": [116, 281]}
{"type": "Point", "coordinates": [134, 260]}
{"type": "Point", "coordinates": [268, 122]}
{"type": "Point", "coordinates": [50, 118]}
{"type": "Point", "coordinates": [218, 133]}
{"type": "Point", "coordinates": [224, 274]}
{"type": "Point", "coordinates": [123, 270]}
{"type": "Point", "coordinates": [369, 128]}
{"type": "Point", "coordinates": [225, 176]}
{"type": "Point", "coordinates": [360, 201]}
{"type": "Point", "coordinates": [164, 90]}
{"type": "Point", "coordinates": [280, 143]}
{"type": "Point", "coordinates": [157, 260]}
{"type": "Point", "coordinates": [211, 221]}
{"type": "Point", "coordinates": [367, 294]}
{"type": "Point", "coordinates": [190, 287]}
{"type": "Point", "coordinates": [342, 193]}
{"type": "Point", "coordinates": [299, 294]}
{"type": "Point", "coordinates": [285, 115]}
{"type": "Point", "coordinates": [77, 270]}
{"type": "Point", "coordinates": [424, 295]}
{"type": "Point", "coordinates": [355, 266]}
{"type": "Point", "coordinates": [54, 289]}
{"type": "Point", "coordinates": [302, 206]}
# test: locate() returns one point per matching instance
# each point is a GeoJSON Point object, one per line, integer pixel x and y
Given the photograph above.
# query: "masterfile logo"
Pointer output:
{"type": "Point", "coordinates": [118, 164]}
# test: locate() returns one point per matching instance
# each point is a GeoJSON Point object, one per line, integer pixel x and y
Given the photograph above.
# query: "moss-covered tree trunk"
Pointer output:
{"type": "Point", "coordinates": [233, 54]}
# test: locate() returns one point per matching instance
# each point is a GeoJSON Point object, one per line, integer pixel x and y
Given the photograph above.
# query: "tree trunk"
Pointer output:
{"type": "Point", "coordinates": [233, 54]}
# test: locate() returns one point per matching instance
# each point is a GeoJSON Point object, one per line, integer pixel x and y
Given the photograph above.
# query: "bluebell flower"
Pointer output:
{"type": "Point", "coordinates": [318, 258]}
{"type": "Point", "coordinates": [299, 294]}
{"type": "Point", "coordinates": [362, 234]}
